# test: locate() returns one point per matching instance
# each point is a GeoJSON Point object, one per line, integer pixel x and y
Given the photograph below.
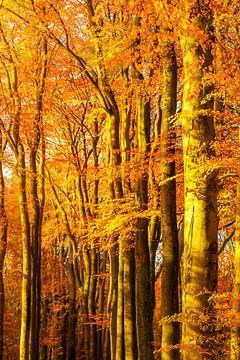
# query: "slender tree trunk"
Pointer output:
{"type": "Point", "coordinates": [200, 217]}
{"type": "Point", "coordinates": [235, 334]}
{"type": "Point", "coordinates": [115, 192]}
{"type": "Point", "coordinates": [37, 198]}
{"type": "Point", "coordinates": [34, 332]}
{"type": "Point", "coordinates": [72, 314]}
{"type": "Point", "coordinates": [114, 295]}
{"type": "Point", "coordinates": [86, 326]}
{"type": "Point", "coordinates": [170, 264]}
{"type": "Point", "coordinates": [143, 300]}
{"type": "Point", "coordinates": [130, 336]}
{"type": "Point", "coordinates": [154, 224]}
{"type": "Point", "coordinates": [41, 198]}
{"type": "Point", "coordinates": [120, 353]}
{"type": "Point", "coordinates": [93, 355]}
{"type": "Point", "coordinates": [101, 297]}
{"type": "Point", "coordinates": [126, 295]}
{"type": "Point", "coordinates": [26, 249]}
{"type": "Point", "coordinates": [3, 244]}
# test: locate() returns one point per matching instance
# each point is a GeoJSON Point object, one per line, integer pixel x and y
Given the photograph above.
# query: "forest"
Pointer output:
{"type": "Point", "coordinates": [119, 179]}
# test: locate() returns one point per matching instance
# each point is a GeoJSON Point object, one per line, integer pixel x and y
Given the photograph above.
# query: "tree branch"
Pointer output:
{"type": "Point", "coordinates": [225, 242]}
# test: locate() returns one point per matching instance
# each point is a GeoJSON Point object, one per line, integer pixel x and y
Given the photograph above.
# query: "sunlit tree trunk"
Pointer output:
{"type": "Point", "coordinates": [170, 263]}
{"type": "Point", "coordinates": [200, 217]}
{"type": "Point", "coordinates": [26, 250]}
{"type": "Point", "coordinates": [3, 244]}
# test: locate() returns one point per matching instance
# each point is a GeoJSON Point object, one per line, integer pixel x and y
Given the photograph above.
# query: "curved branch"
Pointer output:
{"type": "Point", "coordinates": [225, 242]}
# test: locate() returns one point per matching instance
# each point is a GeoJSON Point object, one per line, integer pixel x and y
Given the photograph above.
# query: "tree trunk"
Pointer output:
{"type": "Point", "coordinates": [72, 313]}
{"type": "Point", "coordinates": [120, 355]}
{"type": "Point", "coordinates": [114, 295]}
{"type": "Point", "coordinates": [37, 198]}
{"type": "Point", "coordinates": [34, 332]}
{"type": "Point", "coordinates": [115, 192]}
{"type": "Point", "coordinates": [26, 249]}
{"type": "Point", "coordinates": [126, 251]}
{"type": "Point", "coordinates": [235, 334]}
{"type": "Point", "coordinates": [170, 264]}
{"type": "Point", "coordinates": [3, 244]}
{"type": "Point", "coordinates": [200, 217]}
{"type": "Point", "coordinates": [93, 355]}
{"type": "Point", "coordinates": [130, 336]}
{"type": "Point", "coordinates": [143, 299]}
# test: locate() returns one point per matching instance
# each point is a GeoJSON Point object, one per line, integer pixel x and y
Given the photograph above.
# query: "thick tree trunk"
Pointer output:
{"type": "Point", "coordinates": [170, 264]}
{"type": "Point", "coordinates": [200, 217]}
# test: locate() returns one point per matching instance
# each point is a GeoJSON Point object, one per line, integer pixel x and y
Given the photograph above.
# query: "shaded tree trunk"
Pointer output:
{"type": "Point", "coordinates": [115, 192]}
{"type": "Point", "coordinates": [72, 313]}
{"type": "Point", "coordinates": [170, 263]}
{"type": "Point", "coordinates": [143, 295]}
{"type": "Point", "coordinates": [37, 198]}
{"type": "Point", "coordinates": [235, 334]}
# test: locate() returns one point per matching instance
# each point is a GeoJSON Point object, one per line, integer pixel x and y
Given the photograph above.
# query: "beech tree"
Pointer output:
{"type": "Point", "coordinates": [200, 212]}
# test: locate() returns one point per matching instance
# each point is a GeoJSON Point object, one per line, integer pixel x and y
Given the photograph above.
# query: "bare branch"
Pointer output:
{"type": "Point", "coordinates": [225, 242]}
